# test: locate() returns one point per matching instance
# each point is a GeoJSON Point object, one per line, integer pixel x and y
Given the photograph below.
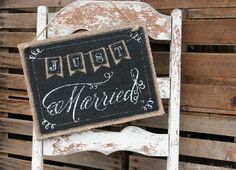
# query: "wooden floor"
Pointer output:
{"type": "Point", "coordinates": [208, 92]}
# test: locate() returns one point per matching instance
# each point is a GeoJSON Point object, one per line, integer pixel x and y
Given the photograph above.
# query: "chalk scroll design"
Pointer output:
{"type": "Point", "coordinates": [135, 35]}
{"type": "Point", "coordinates": [148, 105]}
{"type": "Point", "coordinates": [139, 84]}
{"type": "Point", "coordinates": [47, 124]}
{"type": "Point", "coordinates": [35, 53]}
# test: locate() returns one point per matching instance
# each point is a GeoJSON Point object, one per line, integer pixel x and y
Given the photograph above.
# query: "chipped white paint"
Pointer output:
{"type": "Point", "coordinates": [164, 87]}
{"type": "Point", "coordinates": [91, 15]}
{"type": "Point", "coordinates": [174, 102]}
{"type": "Point", "coordinates": [130, 139]}
{"type": "Point", "coordinates": [77, 16]}
{"type": "Point", "coordinates": [37, 145]}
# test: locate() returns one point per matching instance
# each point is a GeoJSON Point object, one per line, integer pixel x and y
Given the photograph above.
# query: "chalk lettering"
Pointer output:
{"type": "Point", "coordinates": [98, 101]}
{"type": "Point", "coordinates": [53, 66]}
{"type": "Point", "coordinates": [76, 62]}
{"type": "Point", "coordinates": [119, 51]}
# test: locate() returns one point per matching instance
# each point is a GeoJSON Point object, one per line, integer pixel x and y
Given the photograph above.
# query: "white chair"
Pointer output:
{"type": "Point", "coordinates": [160, 27]}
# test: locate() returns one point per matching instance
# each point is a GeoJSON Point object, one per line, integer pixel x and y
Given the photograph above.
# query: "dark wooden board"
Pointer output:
{"type": "Point", "coordinates": [92, 80]}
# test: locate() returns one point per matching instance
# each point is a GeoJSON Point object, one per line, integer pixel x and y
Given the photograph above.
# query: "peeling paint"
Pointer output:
{"type": "Point", "coordinates": [91, 15]}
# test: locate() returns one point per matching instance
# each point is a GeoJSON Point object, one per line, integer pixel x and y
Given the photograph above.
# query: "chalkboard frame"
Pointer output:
{"type": "Point", "coordinates": [39, 135]}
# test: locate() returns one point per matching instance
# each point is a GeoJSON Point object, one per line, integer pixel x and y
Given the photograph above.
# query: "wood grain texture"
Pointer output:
{"type": "Point", "coordinates": [170, 4]}
{"type": "Point", "coordinates": [141, 163]}
{"type": "Point", "coordinates": [196, 122]}
{"type": "Point", "coordinates": [207, 96]}
{"type": "Point", "coordinates": [14, 81]}
{"type": "Point", "coordinates": [18, 164]}
{"type": "Point", "coordinates": [17, 20]}
{"type": "Point", "coordinates": [10, 60]}
{"type": "Point", "coordinates": [208, 149]}
{"type": "Point", "coordinates": [9, 4]}
{"type": "Point", "coordinates": [90, 159]}
{"type": "Point", "coordinates": [205, 32]}
{"type": "Point", "coordinates": [11, 39]}
{"type": "Point", "coordinates": [16, 126]}
{"type": "Point", "coordinates": [201, 68]}
{"type": "Point", "coordinates": [211, 13]}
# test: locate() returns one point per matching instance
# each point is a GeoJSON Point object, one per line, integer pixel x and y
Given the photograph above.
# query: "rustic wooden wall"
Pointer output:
{"type": "Point", "coordinates": [208, 101]}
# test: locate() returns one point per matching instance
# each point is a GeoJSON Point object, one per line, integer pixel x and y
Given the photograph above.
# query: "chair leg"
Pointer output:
{"type": "Point", "coordinates": [37, 146]}
{"type": "Point", "coordinates": [174, 102]}
{"type": "Point", "coordinates": [37, 153]}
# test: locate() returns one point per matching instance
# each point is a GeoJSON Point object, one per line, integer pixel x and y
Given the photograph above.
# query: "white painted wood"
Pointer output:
{"type": "Point", "coordinates": [37, 145]}
{"type": "Point", "coordinates": [84, 15]}
{"type": "Point", "coordinates": [164, 87]}
{"type": "Point", "coordinates": [174, 102]}
{"type": "Point", "coordinates": [130, 138]}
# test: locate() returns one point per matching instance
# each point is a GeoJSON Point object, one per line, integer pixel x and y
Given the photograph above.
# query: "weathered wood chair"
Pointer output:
{"type": "Point", "coordinates": [84, 15]}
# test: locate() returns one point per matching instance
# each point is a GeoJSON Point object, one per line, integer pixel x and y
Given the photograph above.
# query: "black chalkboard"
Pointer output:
{"type": "Point", "coordinates": [90, 80]}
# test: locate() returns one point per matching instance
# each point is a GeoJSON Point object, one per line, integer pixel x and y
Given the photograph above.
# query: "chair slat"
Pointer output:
{"type": "Point", "coordinates": [130, 138]}
{"type": "Point", "coordinates": [79, 14]}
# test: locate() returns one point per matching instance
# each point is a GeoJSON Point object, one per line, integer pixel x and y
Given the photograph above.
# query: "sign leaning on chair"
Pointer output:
{"type": "Point", "coordinates": [90, 80]}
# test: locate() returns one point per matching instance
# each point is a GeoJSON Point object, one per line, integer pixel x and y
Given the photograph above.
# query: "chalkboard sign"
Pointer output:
{"type": "Point", "coordinates": [90, 80]}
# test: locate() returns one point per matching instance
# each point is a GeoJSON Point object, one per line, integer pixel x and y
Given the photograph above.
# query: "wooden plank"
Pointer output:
{"type": "Point", "coordinates": [194, 32]}
{"type": "Point", "coordinates": [207, 96]}
{"type": "Point", "coordinates": [209, 64]}
{"type": "Point", "coordinates": [8, 4]}
{"type": "Point", "coordinates": [10, 60]}
{"type": "Point", "coordinates": [14, 81]}
{"type": "Point", "coordinates": [208, 110]}
{"type": "Point", "coordinates": [13, 93]}
{"type": "Point", "coordinates": [209, 31]}
{"type": "Point", "coordinates": [11, 39]}
{"type": "Point", "coordinates": [195, 122]}
{"type": "Point", "coordinates": [208, 149]}
{"type": "Point", "coordinates": [141, 163]}
{"type": "Point", "coordinates": [15, 106]}
{"type": "Point", "coordinates": [170, 4]}
{"type": "Point", "coordinates": [211, 13]}
{"type": "Point", "coordinates": [16, 126]}
{"type": "Point", "coordinates": [89, 159]}
{"type": "Point", "coordinates": [219, 70]}
{"type": "Point", "coordinates": [13, 164]}
{"type": "Point", "coordinates": [160, 4]}
{"type": "Point", "coordinates": [17, 20]}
